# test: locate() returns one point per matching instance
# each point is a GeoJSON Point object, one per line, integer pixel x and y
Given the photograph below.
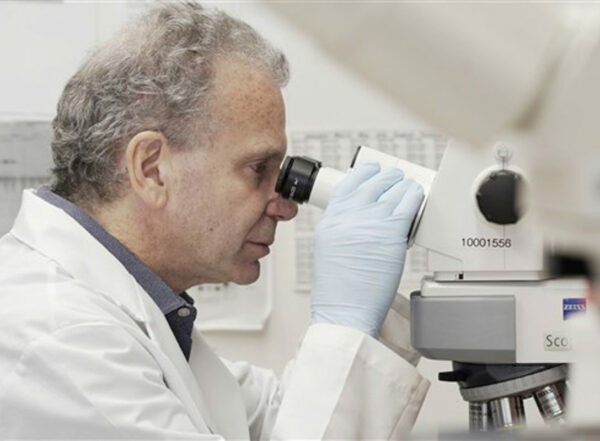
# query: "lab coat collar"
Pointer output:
{"type": "Point", "coordinates": [62, 239]}
{"type": "Point", "coordinates": [55, 234]}
{"type": "Point", "coordinates": [165, 298]}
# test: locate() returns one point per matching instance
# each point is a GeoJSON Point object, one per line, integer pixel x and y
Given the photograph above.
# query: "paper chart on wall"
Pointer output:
{"type": "Point", "coordinates": [336, 149]}
{"type": "Point", "coordinates": [231, 307]}
{"type": "Point", "coordinates": [24, 163]}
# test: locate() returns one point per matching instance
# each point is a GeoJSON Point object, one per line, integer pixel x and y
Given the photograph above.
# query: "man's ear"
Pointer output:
{"type": "Point", "coordinates": [146, 157]}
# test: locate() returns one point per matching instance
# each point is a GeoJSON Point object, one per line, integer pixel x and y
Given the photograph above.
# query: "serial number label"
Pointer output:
{"type": "Point", "coordinates": [486, 242]}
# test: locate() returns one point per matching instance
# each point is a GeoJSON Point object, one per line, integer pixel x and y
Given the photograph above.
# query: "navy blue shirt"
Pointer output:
{"type": "Point", "coordinates": [177, 308]}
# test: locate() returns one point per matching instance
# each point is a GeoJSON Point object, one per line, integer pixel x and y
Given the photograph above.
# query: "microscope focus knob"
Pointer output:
{"type": "Point", "coordinates": [497, 197]}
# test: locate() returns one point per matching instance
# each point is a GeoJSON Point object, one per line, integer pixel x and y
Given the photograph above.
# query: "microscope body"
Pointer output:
{"type": "Point", "coordinates": [489, 298]}
{"type": "Point", "coordinates": [489, 304]}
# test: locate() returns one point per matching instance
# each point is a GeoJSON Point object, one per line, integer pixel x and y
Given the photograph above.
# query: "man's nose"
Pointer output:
{"type": "Point", "coordinates": [281, 209]}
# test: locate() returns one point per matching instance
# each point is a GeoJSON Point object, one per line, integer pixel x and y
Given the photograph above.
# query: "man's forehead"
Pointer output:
{"type": "Point", "coordinates": [241, 89]}
{"type": "Point", "coordinates": [248, 112]}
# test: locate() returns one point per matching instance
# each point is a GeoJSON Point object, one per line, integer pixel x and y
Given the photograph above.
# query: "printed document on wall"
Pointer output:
{"type": "Point", "coordinates": [25, 161]}
{"type": "Point", "coordinates": [231, 307]}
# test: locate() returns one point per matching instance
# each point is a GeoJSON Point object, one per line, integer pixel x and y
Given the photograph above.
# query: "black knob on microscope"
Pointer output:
{"type": "Point", "coordinates": [497, 197]}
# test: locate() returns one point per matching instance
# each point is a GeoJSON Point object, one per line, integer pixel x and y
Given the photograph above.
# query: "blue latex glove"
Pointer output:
{"type": "Point", "coordinates": [360, 247]}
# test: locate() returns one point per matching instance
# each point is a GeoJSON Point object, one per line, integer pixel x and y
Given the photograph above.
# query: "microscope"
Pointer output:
{"type": "Point", "coordinates": [477, 71]}
{"type": "Point", "coordinates": [488, 305]}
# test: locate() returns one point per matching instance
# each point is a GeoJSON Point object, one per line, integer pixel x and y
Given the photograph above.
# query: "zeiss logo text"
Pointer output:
{"type": "Point", "coordinates": [573, 306]}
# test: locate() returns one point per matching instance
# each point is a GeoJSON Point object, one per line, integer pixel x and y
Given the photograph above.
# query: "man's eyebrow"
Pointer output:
{"type": "Point", "coordinates": [264, 154]}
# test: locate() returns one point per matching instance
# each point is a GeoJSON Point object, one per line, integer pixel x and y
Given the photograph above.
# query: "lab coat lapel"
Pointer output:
{"type": "Point", "coordinates": [62, 239]}
{"type": "Point", "coordinates": [221, 390]}
{"type": "Point", "coordinates": [162, 335]}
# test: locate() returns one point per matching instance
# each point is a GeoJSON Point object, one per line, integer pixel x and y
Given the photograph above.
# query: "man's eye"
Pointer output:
{"type": "Point", "coordinates": [259, 168]}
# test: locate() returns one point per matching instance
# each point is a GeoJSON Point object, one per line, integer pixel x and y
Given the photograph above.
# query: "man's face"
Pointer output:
{"type": "Point", "coordinates": [225, 208]}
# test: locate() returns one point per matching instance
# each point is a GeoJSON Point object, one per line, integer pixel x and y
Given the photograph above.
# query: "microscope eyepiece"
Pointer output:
{"type": "Point", "coordinates": [304, 179]}
{"type": "Point", "coordinates": [297, 178]}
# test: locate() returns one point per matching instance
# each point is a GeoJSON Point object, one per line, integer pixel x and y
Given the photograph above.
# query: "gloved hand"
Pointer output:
{"type": "Point", "coordinates": [360, 247]}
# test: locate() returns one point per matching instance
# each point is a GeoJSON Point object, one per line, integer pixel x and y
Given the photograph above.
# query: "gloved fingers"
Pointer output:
{"type": "Point", "coordinates": [410, 203]}
{"type": "Point", "coordinates": [372, 190]}
{"type": "Point", "coordinates": [392, 197]}
{"type": "Point", "coordinates": [355, 177]}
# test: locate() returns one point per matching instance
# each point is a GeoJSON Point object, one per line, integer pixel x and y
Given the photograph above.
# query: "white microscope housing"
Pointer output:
{"type": "Point", "coordinates": [490, 305]}
{"type": "Point", "coordinates": [489, 298]}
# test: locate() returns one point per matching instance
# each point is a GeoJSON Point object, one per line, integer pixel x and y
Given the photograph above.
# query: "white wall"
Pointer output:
{"type": "Point", "coordinates": [41, 44]}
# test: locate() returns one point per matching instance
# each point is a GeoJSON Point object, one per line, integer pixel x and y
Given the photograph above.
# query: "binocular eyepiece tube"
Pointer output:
{"type": "Point", "coordinates": [303, 179]}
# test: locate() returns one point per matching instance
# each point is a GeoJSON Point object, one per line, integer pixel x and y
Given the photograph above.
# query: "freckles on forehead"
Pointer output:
{"type": "Point", "coordinates": [246, 96]}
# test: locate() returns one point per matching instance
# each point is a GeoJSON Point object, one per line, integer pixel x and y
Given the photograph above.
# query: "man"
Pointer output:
{"type": "Point", "coordinates": [167, 145]}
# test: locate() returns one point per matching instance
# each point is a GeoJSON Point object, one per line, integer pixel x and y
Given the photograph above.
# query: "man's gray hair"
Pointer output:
{"type": "Point", "coordinates": [155, 75]}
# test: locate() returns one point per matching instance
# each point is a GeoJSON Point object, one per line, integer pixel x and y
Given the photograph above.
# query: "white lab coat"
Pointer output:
{"type": "Point", "coordinates": [86, 353]}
